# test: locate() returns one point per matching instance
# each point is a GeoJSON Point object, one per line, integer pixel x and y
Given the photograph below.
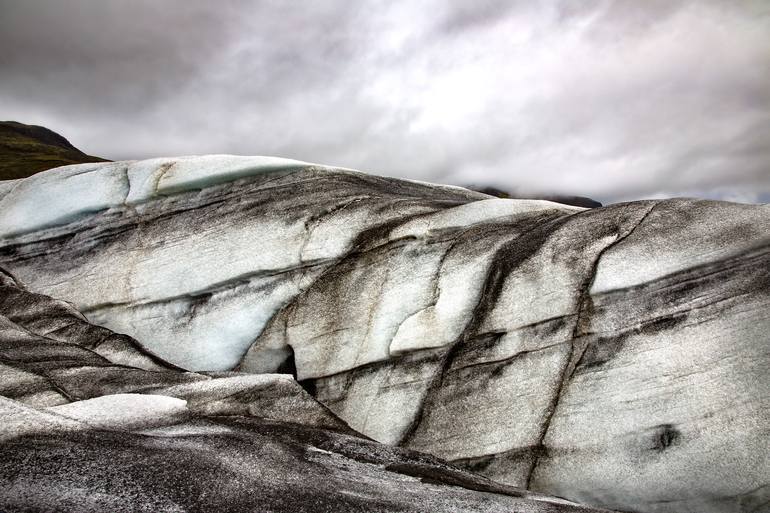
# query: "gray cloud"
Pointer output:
{"type": "Point", "coordinates": [614, 99]}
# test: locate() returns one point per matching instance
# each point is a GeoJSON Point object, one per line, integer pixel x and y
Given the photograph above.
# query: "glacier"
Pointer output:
{"type": "Point", "coordinates": [614, 356]}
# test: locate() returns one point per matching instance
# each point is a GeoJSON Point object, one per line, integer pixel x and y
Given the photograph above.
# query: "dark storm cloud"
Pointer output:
{"type": "Point", "coordinates": [613, 99]}
{"type": "Point", "coordinates": [87, 56]}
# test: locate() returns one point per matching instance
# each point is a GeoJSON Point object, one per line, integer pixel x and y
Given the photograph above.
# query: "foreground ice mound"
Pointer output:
{"type": "Point", "coordinates": [615, 356]}
{"type": "Point", "coordinates": [79, 432]}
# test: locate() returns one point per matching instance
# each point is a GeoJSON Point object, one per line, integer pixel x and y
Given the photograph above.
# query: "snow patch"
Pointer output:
{"type": "Point", "coordinates": [125, 411]}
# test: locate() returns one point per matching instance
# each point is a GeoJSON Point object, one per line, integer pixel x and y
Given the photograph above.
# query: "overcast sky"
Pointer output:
{"type": "Point", "coordinates": [611, 99]}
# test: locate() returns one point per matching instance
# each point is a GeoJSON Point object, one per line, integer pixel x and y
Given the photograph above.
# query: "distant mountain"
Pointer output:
{"type": "Point", "coordinates": [577, 201]}
{"type": "Point", "coordinates": [29, 149]}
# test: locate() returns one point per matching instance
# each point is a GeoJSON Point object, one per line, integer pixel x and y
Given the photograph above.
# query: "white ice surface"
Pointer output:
{"type": "Point", "coordinates": [212, 254]}
{"type": "Point", "coordinates": [202, 171]}
{"type": "Point", "coordinates": [706, 379]}
{"type": "Point", "coordinates": [219, 388]}
{"type": "Point", "coordinates": [459, 287]}
{"type": "Point", "coordinates": [125, 411]}
{"type": "Point", "coordinates": [143, 176]}
{"type": "Point", "coordinates": [18, 419]}
{"type": "Point", "coordinates": [212, 335]}
{"type": "Point", "coordinates": [165, 176]}
{"type": "Point", "coordinates": [379, 297]}
{"type": "Point", "coordinates": [505, 413]}
{"type": "Point", "coordinates": [332, 236]}
{"type": "Point", "coordinates": [58, 196]}
{"type": "Point", "coordinates": [544, 286]}
{"type": "Point", "coordinates": [461, 279]}
{"type": "Point", "coordinates": [675, 237]}
{"type": "Point", "coordinates": [382, 403]}
{"type": "Point", "coordinates": [6, 186]}
{"type": "Point", "coordinates": [476, 212]}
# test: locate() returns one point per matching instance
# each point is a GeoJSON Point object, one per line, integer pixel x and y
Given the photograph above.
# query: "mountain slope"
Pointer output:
{"type": "Point", "coordinates": [575, 201]}
{"type": "Point", "coordinates": [29, 149]}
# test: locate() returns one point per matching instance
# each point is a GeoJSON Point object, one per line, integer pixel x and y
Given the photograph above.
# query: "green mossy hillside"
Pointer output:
{"type": "Point", "coordinates": [29, 149]}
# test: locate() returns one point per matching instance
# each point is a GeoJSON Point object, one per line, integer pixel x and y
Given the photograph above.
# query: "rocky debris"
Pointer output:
{"type": "Point", "coordinates": [615, 356]}
{"type": "Point", "coordinates": [221, 442]}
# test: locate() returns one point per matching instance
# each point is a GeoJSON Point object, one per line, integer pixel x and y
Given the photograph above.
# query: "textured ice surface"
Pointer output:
{"type": "Point", "coordinates": [269, 396]}
{"type": "Point", "coordinates": [193, 441]}
{"type": "Point", "coordinates": [207, 170]}
{"type": "Point", "coordinates": [214, 333]}
{"type": "Point", "coordinates": [483, 211]}
{"type": "Point", "coordinates": [61, 195]}
{"type": "Point", "coordinates": [232, 463]}
{"type": "Point", "coordinates": [681, 235]}
{"type": "Point", "coordinates": [71, 191]}
{"type": "Point", "coordinates": [19, 419]}
{"type": "Point", "coordinates": [125, 411]}
{"type": "Point", "coordinates": [538, 344]}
